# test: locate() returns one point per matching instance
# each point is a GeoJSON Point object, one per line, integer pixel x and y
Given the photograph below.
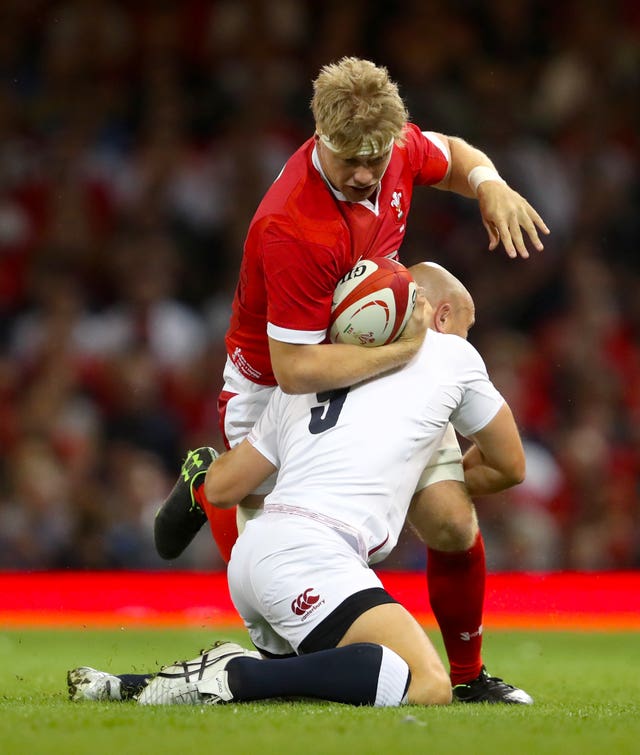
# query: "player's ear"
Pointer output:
{"type": "Point", "coordinates": [441, 316]}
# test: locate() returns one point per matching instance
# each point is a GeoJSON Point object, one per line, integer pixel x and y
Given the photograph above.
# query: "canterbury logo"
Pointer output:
{"type": "Point", "coordinates": [304, 602]}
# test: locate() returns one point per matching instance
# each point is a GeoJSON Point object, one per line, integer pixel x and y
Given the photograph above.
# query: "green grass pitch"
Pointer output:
{"type": "Point", "coordinates": [586, 687]}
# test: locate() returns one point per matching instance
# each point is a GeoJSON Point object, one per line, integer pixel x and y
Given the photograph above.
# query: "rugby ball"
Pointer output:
{"type": "Point", "coordinates": [372, 303]}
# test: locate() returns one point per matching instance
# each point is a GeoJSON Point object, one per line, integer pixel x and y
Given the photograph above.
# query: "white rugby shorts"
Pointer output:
{"type": "Point", "coordinates": [241, 403]}
{"type": "Point", "coordinates": [287, 574]}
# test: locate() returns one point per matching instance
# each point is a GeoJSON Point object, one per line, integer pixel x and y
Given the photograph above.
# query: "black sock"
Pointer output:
{"type": "Point", "coordinates": [343, 675]}
{"type": "Point", "coordinates": [132, 684]}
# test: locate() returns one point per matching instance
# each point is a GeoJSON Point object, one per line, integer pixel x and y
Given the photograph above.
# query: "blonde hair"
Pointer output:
{"type": "Point", "coordinates": [357, 108]}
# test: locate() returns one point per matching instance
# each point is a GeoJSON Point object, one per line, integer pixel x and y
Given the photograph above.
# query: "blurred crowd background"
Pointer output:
{"type": "Point", "coordinates": [136, 139]}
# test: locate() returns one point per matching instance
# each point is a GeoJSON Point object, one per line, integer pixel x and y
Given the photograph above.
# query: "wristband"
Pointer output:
{"type": "Point", "coordinates": [482, 173]}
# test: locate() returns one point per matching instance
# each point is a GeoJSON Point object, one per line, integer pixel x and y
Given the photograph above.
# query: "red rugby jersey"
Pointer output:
{"type": "Point", "coordinates": [303, 239]}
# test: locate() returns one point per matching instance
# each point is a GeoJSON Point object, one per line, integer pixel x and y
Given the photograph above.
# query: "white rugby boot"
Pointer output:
{"type": "Point", "coordinates": [202, 681]}
{"type": "Point", "coordinates": [86, 683]}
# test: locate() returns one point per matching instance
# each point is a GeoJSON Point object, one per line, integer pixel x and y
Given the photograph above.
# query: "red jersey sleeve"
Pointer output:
{"type": "Point", "coordinates": [428, 160]}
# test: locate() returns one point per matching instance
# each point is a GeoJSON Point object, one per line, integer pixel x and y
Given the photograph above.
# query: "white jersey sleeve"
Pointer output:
{"type": "Point", "coordinates": [264, 434]}
{"type": "Point", "coordinates": [480, 401]}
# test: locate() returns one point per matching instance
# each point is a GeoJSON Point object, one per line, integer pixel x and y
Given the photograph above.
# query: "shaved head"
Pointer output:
{"type": "Point", "coordinates": [453, 307]}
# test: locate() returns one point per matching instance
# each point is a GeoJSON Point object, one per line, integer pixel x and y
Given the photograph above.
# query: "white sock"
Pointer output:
{"type": "Point", "coordinates": [393, 680]}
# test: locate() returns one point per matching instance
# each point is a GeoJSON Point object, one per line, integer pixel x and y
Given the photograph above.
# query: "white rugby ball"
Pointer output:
{"type": "Point", "coordinates": [372, 303]}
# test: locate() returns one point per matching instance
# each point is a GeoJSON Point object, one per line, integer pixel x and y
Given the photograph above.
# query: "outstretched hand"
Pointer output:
{"type": "Point", "coordinates": [505, 215]}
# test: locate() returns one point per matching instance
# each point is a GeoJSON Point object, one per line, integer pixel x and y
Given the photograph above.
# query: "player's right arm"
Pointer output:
{"type": "Point", "coordinates": [496, 459]}
{"type": "Point", "coordinates": [313, 368]}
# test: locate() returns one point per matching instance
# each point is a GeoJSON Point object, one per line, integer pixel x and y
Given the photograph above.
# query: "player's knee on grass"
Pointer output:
{"type": "Point", "coordinates": [392, 626]}
{"type": "Point", "coordinates": [444, 517]}
{"type": "Point", "coordinates": [429, 686]}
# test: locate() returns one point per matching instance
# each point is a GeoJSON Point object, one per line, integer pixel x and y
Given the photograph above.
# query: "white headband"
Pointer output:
{"type": "Point", "coordinates": [368, 148]}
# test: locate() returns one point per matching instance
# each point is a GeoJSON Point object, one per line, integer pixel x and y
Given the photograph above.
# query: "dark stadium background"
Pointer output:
{"type": "Point", "coordinates": [136, 139]}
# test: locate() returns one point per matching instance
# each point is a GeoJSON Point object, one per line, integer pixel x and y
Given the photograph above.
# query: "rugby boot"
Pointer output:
{"type": "Point", "coordinates": [490, 689]}
{"type": "Point", "coordinates": [181, 517]}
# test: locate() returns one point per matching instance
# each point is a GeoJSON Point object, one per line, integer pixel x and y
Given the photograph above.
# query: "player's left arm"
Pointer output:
{"type": "Point", "coordinates": [235, 474]}
{"type": "Point", "coordinates": [505, 213]}
{"type": "Point", "coordinates": [496, 459]}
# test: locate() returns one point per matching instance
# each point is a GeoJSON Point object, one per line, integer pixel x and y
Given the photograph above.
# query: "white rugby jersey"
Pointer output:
{"type": "Point", "coordinates": [352, 457]}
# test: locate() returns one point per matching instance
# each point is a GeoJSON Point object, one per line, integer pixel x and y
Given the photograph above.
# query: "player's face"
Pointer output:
{"type": "Point", "coordinates": [356, 177]}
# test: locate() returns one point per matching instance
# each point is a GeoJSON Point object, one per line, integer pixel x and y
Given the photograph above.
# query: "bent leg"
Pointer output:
{"type": "Point", "coordinates": [358, 674]}
{"type": "Point", "coordinates": [444, 517]}
{"type": "Point", "coordinates": [393, 627]}
{"type": "Point", "coordinates": [295, 579]}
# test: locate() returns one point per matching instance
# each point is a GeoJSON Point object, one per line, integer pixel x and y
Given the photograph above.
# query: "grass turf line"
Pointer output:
{"type": "Point", "coordinates": [585, 686]}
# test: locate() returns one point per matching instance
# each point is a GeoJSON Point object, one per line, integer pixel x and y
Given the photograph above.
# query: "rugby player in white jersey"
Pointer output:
{"type": "Point", "coordinates": [348, 464]}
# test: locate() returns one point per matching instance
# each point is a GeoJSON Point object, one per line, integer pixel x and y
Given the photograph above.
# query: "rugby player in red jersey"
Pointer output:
{"type": "Point", "coordinates": [346, 195]}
